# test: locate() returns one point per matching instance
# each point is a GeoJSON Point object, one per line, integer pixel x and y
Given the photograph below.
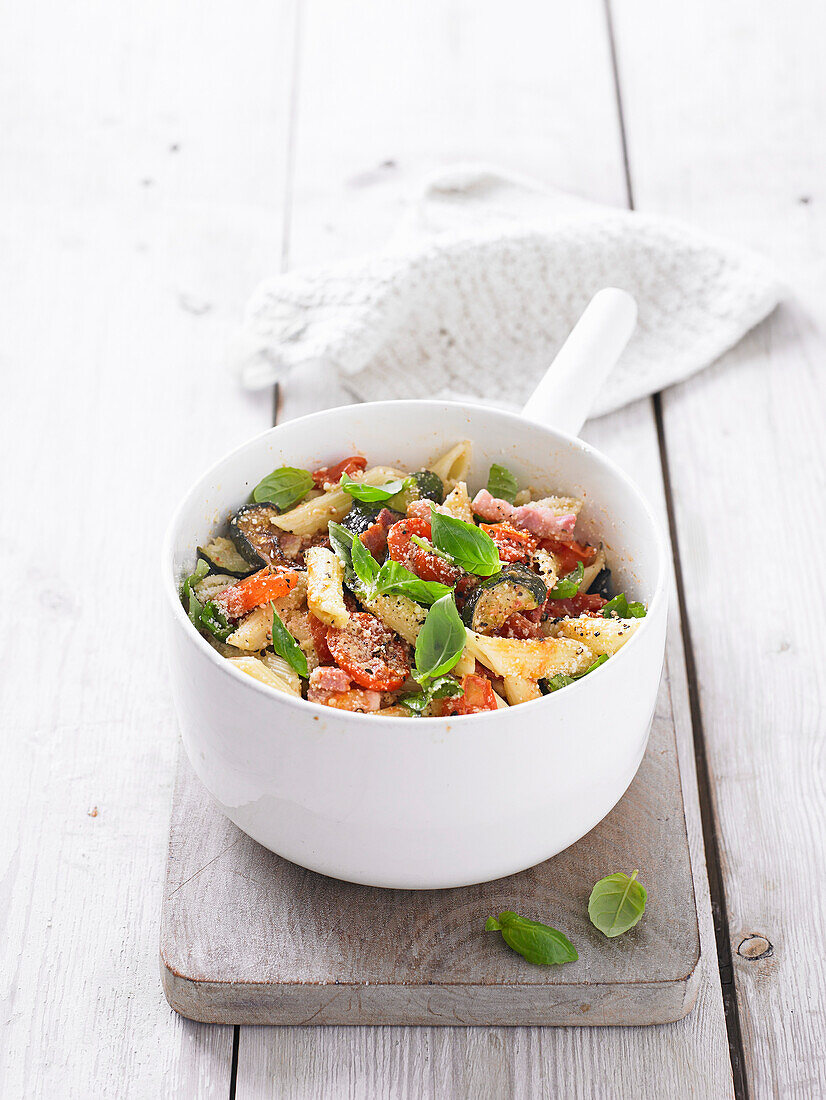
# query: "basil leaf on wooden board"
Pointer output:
{"type": "Point", "coordinates": [538, 943]}
{"type": "Point", "coordinates": [395, 580]}
{"type": "Point", "coordinates": [471, 548]}
{"type": "Point", "coordinates": [616, 904]}
{"type": "Point", "coordinates": [561, 679]}
{"type": "Point", "coordinates": [620, 607]}
{"type": "Point", "coordinates": [285, 645]}
{"type": "Point", "coordinates": [441, 641]}
{"type": "Point", "coordinates": [442, 688]}
{"type": "Point", "coordinates": [213, 619]}
{"type": "Point", "coordinates": [372, 494]}
{"type": "Point", "coordinates": [568, 585]}
{"type": "Point", "coordinates": [284, 487]}
{"type": "Point", "coordinates": [502, 483]}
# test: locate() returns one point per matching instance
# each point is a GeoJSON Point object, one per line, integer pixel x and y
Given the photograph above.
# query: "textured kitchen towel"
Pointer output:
{"type": "Point", "coordinates": [482, 282]}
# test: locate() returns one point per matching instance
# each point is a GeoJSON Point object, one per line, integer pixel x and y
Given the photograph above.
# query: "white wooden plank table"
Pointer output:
{"type": "Point", "coordinates": [155, 163]}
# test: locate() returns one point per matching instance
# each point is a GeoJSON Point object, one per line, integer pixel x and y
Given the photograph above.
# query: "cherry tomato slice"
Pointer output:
{"type": "Point", "coordinates": [267, 584]}
{"type": "Point", "coordinates": [512, 543]}
{"type": "Point", "coordinates": [569, 553]}
{"type": "Point", "coordinates": [478, 695]}
{"type": "Point", "coordinates": [428, 566]}
{"type": "Point", "coordinates": [332, 474]}
{"type": "Point", "coordinates": [582, 603]}
{"type": "Point", "coordinates": [318, 630]}
{"type": "Point", "coordinates": [369, 653]}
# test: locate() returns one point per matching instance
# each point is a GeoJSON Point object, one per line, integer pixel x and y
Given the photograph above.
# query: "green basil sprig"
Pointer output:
{"type": "Point", "coordinates": [439, 646]}
{"type": "Point", "coordinates": [568, 585]}
{"type": "Point", "coordinates": [538, 943]}
{"type": "Point", "coordinates": [502, 483]}
{"type": "Point", "coordinates": [465, 544]}
{"type": "Point", "coordinates": [616, 904]}
{"type": "Point", "coordinates": [561, 679]}
{"type": "Point", "coordinates": [284, 487]}
{"type": "Point", "coordinates": [373, 494]}
{"type": "Point", "coordinates": [620, 607]}
{"type": "Point", "coordinates": [389, 579]}
{"type": "Point", "coordinates": [286, 646]}
{"type": "Point", "coordinates": [208, 615]}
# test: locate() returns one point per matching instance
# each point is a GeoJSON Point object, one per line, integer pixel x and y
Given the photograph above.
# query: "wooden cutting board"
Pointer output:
{"type": "Point", "coordinates": [248, 938]}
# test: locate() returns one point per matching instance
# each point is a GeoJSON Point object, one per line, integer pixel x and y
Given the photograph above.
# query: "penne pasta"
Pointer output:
{"type": "Point", "coordinates": [519, 689]}
{"type": "Point", "coordinates": [325, 592]}
{"type": "Point", "coordinates": [454, 464]}
{"type": "Point", "coordinates": [531, 658]}
{"type": "Point", "coordinates": [603, 636]}
{"type": "Point", "coordinates": [251, 666]}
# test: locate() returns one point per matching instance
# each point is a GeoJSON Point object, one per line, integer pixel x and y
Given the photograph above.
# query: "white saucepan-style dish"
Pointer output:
{"type": "Point", "coordinates": [424, 803]}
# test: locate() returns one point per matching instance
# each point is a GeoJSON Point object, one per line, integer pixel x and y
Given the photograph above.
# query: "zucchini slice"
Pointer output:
{"type": "Point", "coordinates": [515, 588]}
{"type": "Point", "coordinates": [361, 516]}
{"type": "Point", "coordinates": [255, 533]}
{"type": "Point", "coordinates": [222, 557]}
{"type": "Point", "coordinates": [426, 486]}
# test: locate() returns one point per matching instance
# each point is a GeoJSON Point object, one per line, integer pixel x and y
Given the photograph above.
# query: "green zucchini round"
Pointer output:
{"type": "Point", "coordinates": [426, 486]}
{"type": "Point", "coordinates": [222, 557]}
{"type": "Point", "coordinates": [515, 588]}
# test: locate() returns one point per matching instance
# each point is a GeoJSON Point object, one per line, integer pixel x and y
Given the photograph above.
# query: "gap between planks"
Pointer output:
{"type": "Point", "coordinates": [719, 909]}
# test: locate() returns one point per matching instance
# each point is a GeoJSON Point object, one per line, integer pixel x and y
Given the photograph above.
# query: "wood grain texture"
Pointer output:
{"type": "Point", "coordinates": [460, 80]}
{"type": "Point", "coordinates": [738, 146]}
{"type": "Point", "coordinates": [249, 938]}
{"type": "Point", "coordinates": [142, 187]}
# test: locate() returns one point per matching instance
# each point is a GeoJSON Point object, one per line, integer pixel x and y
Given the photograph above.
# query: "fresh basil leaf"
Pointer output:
{"type": "Point", "coordinates": [284, 487]}
{"type": "Point", "coordinates": [568, 585]}
{"type": "Point", "coordinates": [365, 567]}
{"type": "Point", "coordinates": [193, 605]}
{"type": "Point", "coordinates": [616, 904]}
{"type": "Point", "coordinates": [341, 541]}
{"type": "Point", "coordinates": [538, 943]}
{"type": "Point", "coordinates": [561, 680]}
{"type": "Point", "coordinates": [471, 548]}
{"type": "Point", "coordinates": [395, 580]}
{"type": "Point", "coordinates": [620, 607]}
{"type": "Point", "coordinates": [286, 646]}
{"type": "Point", "coordinates": [442, 688]}
{"type": "Point", "coordinates": [502, 483]}
{"type": "Point", "coordinates": [372, 494]}
{"type": "Point", "coordinates": [213, 619]}
{"type": "Point", "coordinates": [441, 640]}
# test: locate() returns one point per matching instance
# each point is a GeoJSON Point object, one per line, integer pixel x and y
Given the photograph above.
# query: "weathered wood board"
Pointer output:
{"type": "Point", "coordinates": [249, 938]}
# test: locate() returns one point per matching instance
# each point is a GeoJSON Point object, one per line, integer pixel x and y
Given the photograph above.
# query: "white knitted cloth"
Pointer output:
{"type": "Point", "coordinates": [482, 283]}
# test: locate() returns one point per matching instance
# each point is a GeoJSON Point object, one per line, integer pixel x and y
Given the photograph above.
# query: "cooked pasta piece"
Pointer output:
{"type": "Point", "coordinates": [457, 503]}
{"type": "Point", "coordinates": [465, 665]}
{"type": "Point", "coordinates": [500, 702]}
{"type": "Point", "coordinates": [561, 506]}
{"type": "Point", "coordinates": [253, 632]}
{"type": "Point", "coordinates": [279, 667]}
{"type": "Point", "coordinates": [325, 592]}
{"type": "Point", "coordinates": [210, 586]}
{"type": "Point", "coordinates": [454, 464]}
{"type": "Point", "coordinates": [530, 658]}
{"type": "Point", "coordinates": [400, 614]}
{"type": "Point", "coordinates": [547, 566]}
{"type": "Point", "coordinates": [313, 514]}
{"type": "Point", "coordinates": [601, 635]}
{"type": "Point", "coordinates": [522, 497]}
{"type": "Point", "coordinates": [265, 675]}
{"type": "Point", "coordinates": [591, 571]}
{"type": "Point", "coordinates": [519, 689]}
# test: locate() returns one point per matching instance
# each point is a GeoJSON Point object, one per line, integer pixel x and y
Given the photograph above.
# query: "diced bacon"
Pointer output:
{"type": "Point", "coordinates": [357, 699]}
{"type": "Point", "coordinates": [329, 678]}
{"type": "Point", "coordinates": [491, 508]}
{"type": "Point", "coordinates": [375, 540]}
{"type": "Point", "coordinates": [542, 521]}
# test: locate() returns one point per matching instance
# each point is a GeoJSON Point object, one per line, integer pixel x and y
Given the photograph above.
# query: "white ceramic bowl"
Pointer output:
{"type": "Point", "coordinates": [430, 802]}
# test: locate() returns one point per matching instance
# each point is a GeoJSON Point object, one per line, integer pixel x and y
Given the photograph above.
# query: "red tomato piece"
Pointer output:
{"type": "Point", "coordinates": [369, 653]}
{"type": "Point", "coordinates": [263, 586]}
{"type": "Point", "coordinates": [569, 553]}
{"type": "Point", "coordinates": [478, 695]}
{"type": "Point", "coordinates": [518, 625]}
{"type": "Point", "coordinates": [332, 474]}
{"type": "Point", "coordinates": [318, 630]}
{"type": "Point", "coordinates": [512, 543]}
{"type": "Point", "coordinates": [580, 604]}
{"type": "Point", "coordinates": [428, 566]}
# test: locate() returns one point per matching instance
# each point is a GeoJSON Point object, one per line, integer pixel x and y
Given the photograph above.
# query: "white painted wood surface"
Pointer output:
{"type": "Point", "coordinates": [149, 161]}
{"type": "Point", "coordinates": [738, 146]}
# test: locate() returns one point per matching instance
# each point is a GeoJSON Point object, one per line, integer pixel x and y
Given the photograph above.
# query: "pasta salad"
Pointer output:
{"type": "Point", "coordinates": [387, 592]}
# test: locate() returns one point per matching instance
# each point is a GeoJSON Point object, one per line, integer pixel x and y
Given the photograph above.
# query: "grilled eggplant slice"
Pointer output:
{"type": "Point", "coordinates": [361, 516]}
{"type": "Point", "coordinates": [222, 557]}
{"type": "Point", "coordinates": [601, 584]}
{"type": "Point", "coordinates": [256, 534]}
{"type": "Point", "coordinates": [515, 588]}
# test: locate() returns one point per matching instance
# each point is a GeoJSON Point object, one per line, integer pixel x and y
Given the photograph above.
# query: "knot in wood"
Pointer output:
{"type": "Point", "coordinates": [755, 947]}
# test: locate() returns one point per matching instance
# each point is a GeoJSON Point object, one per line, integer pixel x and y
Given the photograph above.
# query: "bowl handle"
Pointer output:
{"type": "Point", "coordinates": [567, 391]}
